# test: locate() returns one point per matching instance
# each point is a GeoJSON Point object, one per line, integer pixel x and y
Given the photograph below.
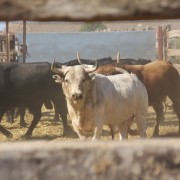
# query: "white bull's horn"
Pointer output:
{"type": "Point", "coordinates": [91, 69]}
{"type": "Point", "coordinates": [120, 70]}
{"type": "Point", "coordinates": [78, 58]}
{"type": "Point", "coordinates": [56, 70]}
{"type": "Point", "coordinates": [118, 58]}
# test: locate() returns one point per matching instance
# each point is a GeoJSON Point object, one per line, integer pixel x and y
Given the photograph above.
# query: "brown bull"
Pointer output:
{"type": "Point", "coordinates": [161, 79]}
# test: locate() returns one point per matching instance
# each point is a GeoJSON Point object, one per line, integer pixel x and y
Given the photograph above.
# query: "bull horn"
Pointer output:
{"type": "Point", "coordinates": [120, 70]}
{"type": "Point", "coordinates": [56, 70]}
{"type": "Point", "coordinates": [91, 69]}
{"type": "Point", "coordinates": [78, 58]}
{"type": "Point", "coordinates": [87, 69]}
{"type": "Point", "coordinates": [118, 58]}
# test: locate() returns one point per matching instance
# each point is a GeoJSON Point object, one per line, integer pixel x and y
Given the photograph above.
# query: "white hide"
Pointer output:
{"type": "Point", "coordinates": [107, 100]}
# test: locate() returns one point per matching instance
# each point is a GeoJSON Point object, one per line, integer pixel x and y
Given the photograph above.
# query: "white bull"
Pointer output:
{"type": "Point", "coordinates": [97, 100]}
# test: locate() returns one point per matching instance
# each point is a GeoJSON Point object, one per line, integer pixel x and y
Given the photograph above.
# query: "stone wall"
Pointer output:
{"type": "Point", "coordinates": [135, 159]}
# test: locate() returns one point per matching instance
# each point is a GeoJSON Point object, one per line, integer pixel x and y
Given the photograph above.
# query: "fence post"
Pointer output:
{"type": "Point", "coordinates": [7, 42]}
{"type": "Point", "coordinates": [24, 41]}
{"type": "Point", "coordinates": [160, 43]}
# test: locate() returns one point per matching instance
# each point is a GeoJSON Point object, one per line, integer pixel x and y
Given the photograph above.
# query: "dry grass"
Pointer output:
{"type": "Point", "coordinates": [47, 129]}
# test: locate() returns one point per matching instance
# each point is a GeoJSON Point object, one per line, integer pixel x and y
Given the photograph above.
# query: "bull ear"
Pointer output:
{"type": "Point", "coordinates": [91, 75]}
{"type": "Point", "coordinates": [58, 79]}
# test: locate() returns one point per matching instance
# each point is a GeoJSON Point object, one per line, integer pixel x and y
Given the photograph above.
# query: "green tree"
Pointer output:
{"type": "Point", "coordinates": [92, 27]}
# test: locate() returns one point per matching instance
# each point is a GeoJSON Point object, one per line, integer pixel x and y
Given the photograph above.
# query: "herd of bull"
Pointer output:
{"type": "Point", "coordinates": [93, 93]}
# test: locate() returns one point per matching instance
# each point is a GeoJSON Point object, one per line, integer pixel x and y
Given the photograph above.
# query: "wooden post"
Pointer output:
{"type": "Point", "coordinates": [24, 41]}
{"type": "Point", "coordinates": [7, 42]}
{"type": "Point", "coordinates": [160, 42]}
{"type": "Point", "coordinates": [166, 30]}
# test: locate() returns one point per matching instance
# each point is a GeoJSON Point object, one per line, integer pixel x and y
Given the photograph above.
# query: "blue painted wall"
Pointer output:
{"type": "Point", "coordinates": [91, 45]}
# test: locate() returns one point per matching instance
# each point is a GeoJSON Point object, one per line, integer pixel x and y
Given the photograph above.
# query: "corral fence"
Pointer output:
{"type": "Point", "coordinates": [147, 159]}
{"type": "Point", "coordinates": [4, 48]}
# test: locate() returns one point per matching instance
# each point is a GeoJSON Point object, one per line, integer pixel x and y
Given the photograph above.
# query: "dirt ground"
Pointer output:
{"type": "Point", "coordinates": [48, 129]}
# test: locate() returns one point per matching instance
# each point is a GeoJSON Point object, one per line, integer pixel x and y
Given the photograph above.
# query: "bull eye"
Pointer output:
{"type": "Point", "coordinates": [66, 80]}
{"type": "Point", "coordinates": [84, 80]}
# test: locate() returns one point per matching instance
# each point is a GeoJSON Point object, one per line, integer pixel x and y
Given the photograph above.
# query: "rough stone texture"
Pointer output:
{"type": "Point", "coordinates": [135, 159]}
{"type": "Point", "coordinates": [88, 9]}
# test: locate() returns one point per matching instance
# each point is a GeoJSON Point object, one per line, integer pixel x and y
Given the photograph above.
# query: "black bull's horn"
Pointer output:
{"type": "Point", "coordinates": [118, 58]}
{"type": "Point", "coordinates": [87, 69]}
{"type": "Point", "coordinates": [56, 70]}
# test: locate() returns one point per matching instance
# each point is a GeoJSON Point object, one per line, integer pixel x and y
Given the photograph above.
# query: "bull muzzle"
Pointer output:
{"type": "Point", "coordinates": [77, 96]}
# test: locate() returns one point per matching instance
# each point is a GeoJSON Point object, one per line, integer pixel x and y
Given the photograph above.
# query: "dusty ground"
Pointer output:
{"type": "Point", "coordinates": [47, 129]}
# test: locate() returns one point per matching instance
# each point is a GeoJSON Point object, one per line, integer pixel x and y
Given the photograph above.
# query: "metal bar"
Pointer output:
{"type": "Point", "coordinates": [7, 42]}
{"type": "Point", "coordinates": [24, 41]}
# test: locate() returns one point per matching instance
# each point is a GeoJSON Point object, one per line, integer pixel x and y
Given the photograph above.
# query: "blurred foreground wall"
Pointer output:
{"type": "Point", "coordinates": [135, 159]}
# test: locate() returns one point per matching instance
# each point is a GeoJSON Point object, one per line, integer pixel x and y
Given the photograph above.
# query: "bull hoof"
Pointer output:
{"type": "Point", "coordinates": [67, 131]}
{"type": "Point", "coordinates": [26, 136]}
{"type": "Point", "coordinates": [95, 140]}
{"type": "Point", "coordinates": [9, 135]}
{"type": "Point", "coordinates": [56, 119]}
{"type": "Point", "coordinates": [83, 138]}
{"type": "Point", "coordinates": [22, 125]}
{"type": "Point", "coordinates": [155, 134]}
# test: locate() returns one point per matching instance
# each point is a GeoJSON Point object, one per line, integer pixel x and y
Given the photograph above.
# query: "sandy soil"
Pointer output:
{"type": "Point", "coordinates": [48, 129]}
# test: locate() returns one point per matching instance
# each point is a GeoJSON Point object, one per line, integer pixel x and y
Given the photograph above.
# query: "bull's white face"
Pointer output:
{"type": "Point", "coordinates": [76, 83]}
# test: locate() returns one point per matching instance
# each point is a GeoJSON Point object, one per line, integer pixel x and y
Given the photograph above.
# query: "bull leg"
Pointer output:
{"type": "Point", "coordinates": [3, 130]}
{"type": "Point", "coordinates": [176, 107]}
{"type": "Point", "coordinates": [62, 110]}
{"type": "Point", "coordinates": [111, 127]}
{"type": "Point", "coordinates": [122, 131]}
{"type": "Point", "coordinates": [158, 107]}
{"type": "Point", "coordinates": [37, 115]}
{"type": "Point", "coordinates": [22, 114]}
{"type": "Point", "coordinates": [78, 131]}
{"type": "Point", "coordinates": [63, 113]}
{"type": "Point", "coordinates": [98, 131]}
{"type": "Point", "coordinates": [56, 114]}
{"type": "Point", "coordinates": [141, 123]}
{"type": "Point", "coordinates": [10, 115]}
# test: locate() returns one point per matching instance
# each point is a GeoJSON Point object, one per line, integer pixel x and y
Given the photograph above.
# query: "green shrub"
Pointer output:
{"type": "Point", "coordinates": [92, 27]}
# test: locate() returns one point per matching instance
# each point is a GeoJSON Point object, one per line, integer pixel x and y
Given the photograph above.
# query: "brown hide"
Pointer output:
{"type": "Point", "coordinates": [160, 79]}
{"type": "Point", "coordinates": [107, 69]}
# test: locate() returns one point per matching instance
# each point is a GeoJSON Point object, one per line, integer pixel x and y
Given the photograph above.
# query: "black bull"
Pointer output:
{"type": "Point", "coordinates": [29, 85]}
